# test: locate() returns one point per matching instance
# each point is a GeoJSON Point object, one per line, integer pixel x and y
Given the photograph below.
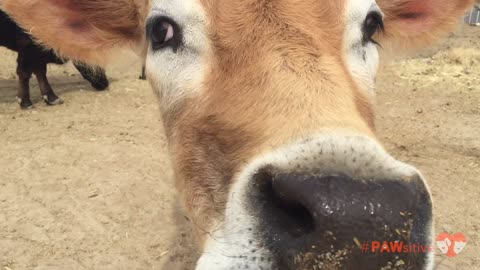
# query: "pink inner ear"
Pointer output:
{"type": "Point", "coordinates": [418, 16]}
{"type": "Point", "coordinates": [419, 9]}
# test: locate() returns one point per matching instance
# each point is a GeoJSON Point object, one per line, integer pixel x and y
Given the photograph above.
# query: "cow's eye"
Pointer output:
{"type": "Point", "coordinates": [163, 32]}
{"type": "Point", "coordinates": [373, 23]}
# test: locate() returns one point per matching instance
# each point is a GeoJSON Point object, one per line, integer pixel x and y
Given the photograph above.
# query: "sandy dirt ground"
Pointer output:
{"type": "Point", "coordinates": [88, 184]}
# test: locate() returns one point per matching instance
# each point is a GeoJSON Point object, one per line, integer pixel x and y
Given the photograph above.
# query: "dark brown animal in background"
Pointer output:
{"type": "Point", "coordinates": [33, 58]}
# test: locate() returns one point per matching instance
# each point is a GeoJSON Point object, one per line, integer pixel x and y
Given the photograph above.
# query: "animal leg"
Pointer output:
{"type": "Point", "coordinates": [143, 76]}
{"type": "Point", "coordinates": [47, 92]}
{"type": "Point", "coordinates": [23, 92]}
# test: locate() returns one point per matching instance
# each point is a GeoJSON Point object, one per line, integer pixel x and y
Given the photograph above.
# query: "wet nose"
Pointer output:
{"type": "Point", "coordinates": [312, 219]}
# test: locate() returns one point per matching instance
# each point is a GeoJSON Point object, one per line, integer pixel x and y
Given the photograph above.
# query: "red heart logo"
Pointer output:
{"type": "Point", "coordinates": [451, 245]}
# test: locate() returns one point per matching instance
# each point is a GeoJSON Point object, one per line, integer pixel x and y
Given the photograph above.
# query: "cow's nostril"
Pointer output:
{"type": "Point", "coordinates": [291, 215]}
{"type": "Point", "coordinates": [303, 215]}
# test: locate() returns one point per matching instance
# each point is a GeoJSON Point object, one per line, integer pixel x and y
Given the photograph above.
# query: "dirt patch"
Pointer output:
{"type": "Point", "coordinates": [88, 185]}
{"type": "Point", "coordinates": [428, 114]}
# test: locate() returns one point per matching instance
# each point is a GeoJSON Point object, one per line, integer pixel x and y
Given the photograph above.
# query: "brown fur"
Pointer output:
{"type": "Point", "coordinates": [82, 29]}
{"type": "Point", "coordinates": [293, 76]}
{"type": "Point", "coordinates": [277, 74]}
{"type": "Point", "coordinates": [432, 20]}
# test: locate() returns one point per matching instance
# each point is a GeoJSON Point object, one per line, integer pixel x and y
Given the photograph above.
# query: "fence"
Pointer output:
{"type": "Point", "coordinates": [473, 17]}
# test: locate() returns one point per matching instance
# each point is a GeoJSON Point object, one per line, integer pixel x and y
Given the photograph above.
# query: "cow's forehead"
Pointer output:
{"type": "Point", "coordinates": [325, 11]}
{"type": "Point", "coordinates": [250, 38]}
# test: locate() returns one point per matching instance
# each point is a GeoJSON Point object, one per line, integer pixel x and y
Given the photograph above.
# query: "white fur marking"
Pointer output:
{"type": "Point", "coordinates": [178, 75]}
{"type": "Point", "coordinates": [363, 61]}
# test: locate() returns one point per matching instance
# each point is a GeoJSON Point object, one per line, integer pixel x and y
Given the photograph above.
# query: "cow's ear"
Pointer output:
{"type": "Point", "coordinates": [414, 24]}
{"type": "Point", "coordinates": [86, 30]}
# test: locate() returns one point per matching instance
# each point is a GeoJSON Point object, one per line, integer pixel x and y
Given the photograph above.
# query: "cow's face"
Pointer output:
{"type": "Point", "coordinates": [268, 110]}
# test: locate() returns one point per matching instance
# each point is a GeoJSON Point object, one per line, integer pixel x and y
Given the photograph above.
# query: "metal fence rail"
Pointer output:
{"type": "Point", "coordinates": [473, 17]}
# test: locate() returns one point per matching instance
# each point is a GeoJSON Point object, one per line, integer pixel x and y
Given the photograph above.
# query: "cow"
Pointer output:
{"type": "Point", "coordinates": [268, 110]}
{"type": "Point", "coordinates": [33, 58]}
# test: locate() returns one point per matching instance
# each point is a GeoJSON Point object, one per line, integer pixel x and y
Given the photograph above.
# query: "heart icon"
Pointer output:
{"type": "Point", "coordinates": [451, 245]}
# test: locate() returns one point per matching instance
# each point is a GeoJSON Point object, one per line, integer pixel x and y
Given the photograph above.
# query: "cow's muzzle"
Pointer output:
{"type": "Point", "coordinates": [327, 202]}
{"type": "Point", "coordinates": [334, 221]}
